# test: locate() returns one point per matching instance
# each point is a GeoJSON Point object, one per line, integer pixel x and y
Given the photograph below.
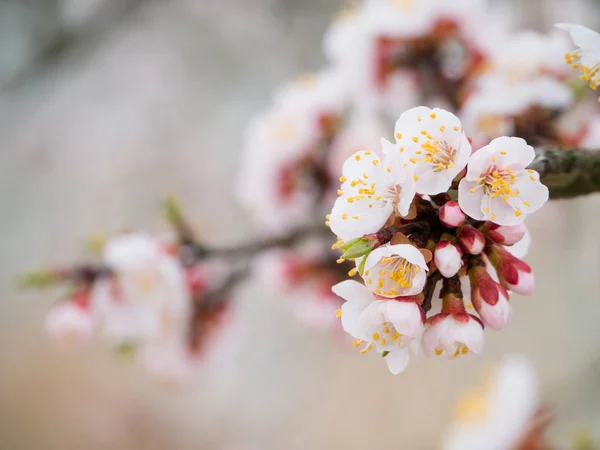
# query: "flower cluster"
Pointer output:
{"type": "Point", "coordinates": [396, 218]}
{"type": "Point", "coordinates": [142, 300]}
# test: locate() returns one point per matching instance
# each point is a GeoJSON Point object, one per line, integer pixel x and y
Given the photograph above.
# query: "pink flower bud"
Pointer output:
{"type": "Point", "coordinates": [471, 239]}
{"type": "Point", "coordinates": [506, 235]}
{"type": "Point", "coordinates": [448, 258]}
{"type": "Point", "coordinates": [489, 298]}
{"type": "Point", "coordinates": [451, 215]}
{"type": "Point", "coordinates": [514, 274]}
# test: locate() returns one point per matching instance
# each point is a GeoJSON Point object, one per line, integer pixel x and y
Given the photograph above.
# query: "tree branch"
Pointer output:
{"type": "Point", "coordinates": [568, 172]}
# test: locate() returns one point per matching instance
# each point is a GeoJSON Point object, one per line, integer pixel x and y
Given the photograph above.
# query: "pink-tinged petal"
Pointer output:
{"type": "Point", "coordinates": [471, 201]}
{"type": "Point", "coordinates": [397, 360]}
{"type": "Point", "coordinates": [496, 316]}
{"type": "Point", "coordinates": [520, 249]}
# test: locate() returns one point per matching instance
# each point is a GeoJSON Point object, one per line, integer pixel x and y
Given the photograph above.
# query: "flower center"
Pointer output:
{"type": "Point", "coordinates": [587, 73]}
{"type": "Point", "coordinates": [473, 406]}
{"type": "Point", "coordinates": [399, 271]}
{"type": "Point", "coordinates": [440, 155]}
{"type": "Point", "coordinates": [384, 335]}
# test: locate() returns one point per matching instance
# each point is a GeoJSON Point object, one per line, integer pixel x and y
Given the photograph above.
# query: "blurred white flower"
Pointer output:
{"type": "Point", "coordinates": [496, 416]}
{"type": "Point", "coordinates": [146, 299]}
{"type": "Point", "coordinates": [275, 182]}
{"type": "Point", "coordinates": [69, 323]}
{"type": "Point", "coordinates": [586, 57]}
{"type": "Point", "coordinates": [498, 187]}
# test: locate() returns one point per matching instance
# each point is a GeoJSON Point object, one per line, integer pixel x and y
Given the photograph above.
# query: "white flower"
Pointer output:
{"type": "Point", "coordinates": [395, 270]}
{"type": "Point", "coordinates": [321, 94]}
{"type": "Point", "coordinates": [69, 323]}
{"type": "Point", "coordinates": [448, 258]}
{"type": "Point", "coordinates": [382, 325]}
{"type": "Point", "coordinates": [455, 335]}
{"type": "Point", "coordinates": [433, 141]}
{"type": "Point", "coordinates": [362, 132]}
{"type": "Point", "coordinates": [355, 50]}
{"type": "Point", "coordinates": [275, 182]}
{"type": "Point", "coordinates": [169, 362]}
{"type": "Point", "coordinates": [525, 71]}
{"type": "Point", "coordinates": [498, 187]}
{"type": "Point", "coordinates": [146, 298]}
{"type": "Point", "coordinates": [371, 192]}
{"type": "Point", "coordinates": [497, 416]}
{"type": "Point", "coordinates": [587, 55]}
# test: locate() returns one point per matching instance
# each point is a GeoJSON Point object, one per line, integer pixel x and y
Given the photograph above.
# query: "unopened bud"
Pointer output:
{"type": "Point", "coordinates": [514, 274]}
{"type": "Point", "coordinates": [489, 298]}
{"type": "Point", "coordinates": [471, 239]}
{"type": "Point", "coordinates": [451, 215]}
{"type": "Point", "coordinates": [506, 235]}
{"type": "Point", "coordinates": [448, 258]}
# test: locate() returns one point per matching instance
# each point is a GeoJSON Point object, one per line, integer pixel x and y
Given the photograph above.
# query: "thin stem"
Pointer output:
{"type": "Point", "coordinates": [432, 281]}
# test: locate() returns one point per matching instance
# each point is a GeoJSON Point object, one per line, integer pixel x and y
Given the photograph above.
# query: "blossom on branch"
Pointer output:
{"type": "Point", "coordinates": [372, 191]}
{"type": "Point", "coordinates": [498, 186]}
{"type": "Point", "coordinates": [396, 219]}
{"type": "Point", "coordinates": [387, 326]}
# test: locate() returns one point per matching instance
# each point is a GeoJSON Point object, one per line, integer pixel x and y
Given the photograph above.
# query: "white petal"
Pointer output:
{"type": "Point", "coordinates": [410, 253]}
{"type": "Point", "coordinates": [397, 360]}
{"type": "Point", "coordinates": [405, 317]}
{"type": "Point", "coordinates": [343, 221]}
{"type": "Point", "coordinates": [352, 291]}
{"type": "Point", "coordinates": [518, 153]}
{"type": "Point", "coordinates": [582, 36]}
{"type": "Point", "coordinates": [470, 202]}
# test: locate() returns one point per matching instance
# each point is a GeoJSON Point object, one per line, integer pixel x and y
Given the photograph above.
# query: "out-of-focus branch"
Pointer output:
{"type": "Point", "coordinates": [76, 42]}
{"type": "Point", "coordinates": [568, 172]}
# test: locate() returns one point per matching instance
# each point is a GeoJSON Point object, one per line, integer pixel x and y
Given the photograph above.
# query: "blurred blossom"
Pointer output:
{"type": "Point", "coordinates": [498, 414]}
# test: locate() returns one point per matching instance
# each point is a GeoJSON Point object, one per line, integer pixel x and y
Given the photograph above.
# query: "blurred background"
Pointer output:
{"type": "Point", "coordinates": [106, 105]}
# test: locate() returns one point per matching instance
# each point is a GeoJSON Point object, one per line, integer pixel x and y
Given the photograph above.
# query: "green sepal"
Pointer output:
{"type": "Point", "coordinates": [357, 248]}
{"type": "Point", "coordinates": [385, 353]}
{"type": "Point", "coordinates": [37, 279]}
